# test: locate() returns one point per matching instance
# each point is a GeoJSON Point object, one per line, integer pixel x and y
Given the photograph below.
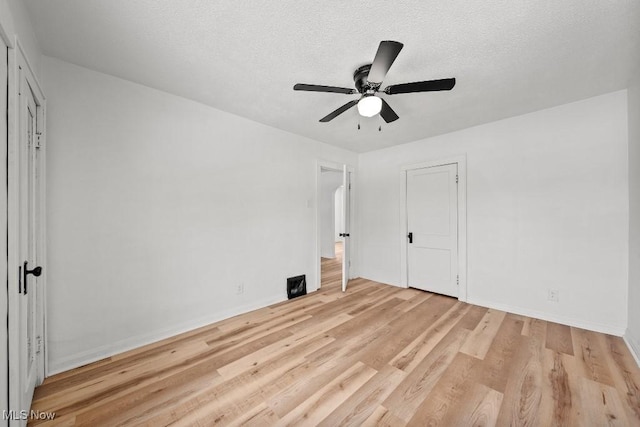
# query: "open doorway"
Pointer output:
{"type": "Point", "coordinates": [333, 224]}
{"type": "Point", "coordinates": [331, 227]}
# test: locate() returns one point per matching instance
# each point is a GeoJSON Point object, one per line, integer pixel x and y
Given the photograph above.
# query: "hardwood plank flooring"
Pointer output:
{"type": "Point", "coordinates": [375, 355]}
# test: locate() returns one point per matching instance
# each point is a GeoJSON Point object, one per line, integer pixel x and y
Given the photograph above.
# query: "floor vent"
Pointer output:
{"type": "Point", "coordinates": [296, 286]}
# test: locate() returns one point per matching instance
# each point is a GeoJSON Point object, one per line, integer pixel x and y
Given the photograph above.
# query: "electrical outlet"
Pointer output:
{"type": "Point", "coordinates": [239, 288]}
{"type": "Point", "coordinates": [553, 295]}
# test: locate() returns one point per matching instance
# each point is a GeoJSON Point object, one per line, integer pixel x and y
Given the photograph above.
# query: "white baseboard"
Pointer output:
{"type": "Point", "coordinates": [617, 330]}
{"type": "Point", "coordinates": [95, 354]}
{"type": "Point", "coordinates": [634, 347]}
{"type": "Point", "coordinates": [384, 283]}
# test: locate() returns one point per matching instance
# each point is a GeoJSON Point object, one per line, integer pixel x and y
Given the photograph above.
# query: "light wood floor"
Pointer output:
{"type": "Point", "coordinates": [375, 355]}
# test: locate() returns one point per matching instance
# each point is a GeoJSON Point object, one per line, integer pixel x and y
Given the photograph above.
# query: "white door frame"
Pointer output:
{"type": "Point", "coordinates": [461, 161]}
{"type": "Point", "coordinates": [338, 167]}
{"type": "Point", "coordinates": [4, 297]}
{"type": "Point", "coordinates": [19, 68]}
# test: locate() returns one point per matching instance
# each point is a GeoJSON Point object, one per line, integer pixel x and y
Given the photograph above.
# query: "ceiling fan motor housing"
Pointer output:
{"type": "Point", "coordinates": [360, 77]}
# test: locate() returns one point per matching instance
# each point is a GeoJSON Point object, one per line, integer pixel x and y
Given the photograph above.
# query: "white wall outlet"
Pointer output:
{"type": "Point", "coordinates": [553, 294]}
{"type": "Point", "coordinates": [239, 288]}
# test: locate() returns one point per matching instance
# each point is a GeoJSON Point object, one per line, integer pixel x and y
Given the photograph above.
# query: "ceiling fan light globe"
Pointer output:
{"type": "Point", "coordinates": [369, 106]}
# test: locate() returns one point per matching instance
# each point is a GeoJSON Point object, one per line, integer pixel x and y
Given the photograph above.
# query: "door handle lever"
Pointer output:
{"type": "Point", "coordinates": [36, 272]}
{"type": "Point", "coordinates": [410, 237]}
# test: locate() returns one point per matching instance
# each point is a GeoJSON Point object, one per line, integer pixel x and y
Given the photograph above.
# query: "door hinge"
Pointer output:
{"type": "Point", "coordinates": [456, 178]}
{"type": "Point", "coordinates": [458, 280]}
{"type": "Point", "coordinates": [38, 344]}
{"type": "Point", "coordinates": [38, 142]}
{"type": "Point", "coordinates": [349, 186]}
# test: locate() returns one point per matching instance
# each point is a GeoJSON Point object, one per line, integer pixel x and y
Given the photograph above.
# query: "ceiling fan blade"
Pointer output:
{"type": "Point", "coordinates": [319, 88]}
{"type": "Point", "coordinates": [387, 53]}
{"type": "Point", "coordinates": [426, 86]}
{"type": "Point", "coordinates": [339, 111]}
{"type": "Point", "coordinates": [387, 112]}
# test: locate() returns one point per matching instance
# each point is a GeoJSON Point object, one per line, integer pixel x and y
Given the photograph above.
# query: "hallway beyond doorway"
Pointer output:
{"type": "Point", "coordinates": [331, 269]}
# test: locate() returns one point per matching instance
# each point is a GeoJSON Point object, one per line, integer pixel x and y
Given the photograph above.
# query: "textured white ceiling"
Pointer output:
{"type": "Point", "coordinates": [509, 57]}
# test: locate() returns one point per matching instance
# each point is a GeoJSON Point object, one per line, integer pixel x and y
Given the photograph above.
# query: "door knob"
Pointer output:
{"type": "Point", "coordinates": [36, 272]}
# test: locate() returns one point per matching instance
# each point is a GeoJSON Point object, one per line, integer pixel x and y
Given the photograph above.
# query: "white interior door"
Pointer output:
{"type": "Point", "coordinates": [29, 232]}
{"type": "Point", "coordinates": [26, 320]}
{"type": "Point", "coordinates": [432, 225]}
{"type": "Point", "coordinates": [346, 248]}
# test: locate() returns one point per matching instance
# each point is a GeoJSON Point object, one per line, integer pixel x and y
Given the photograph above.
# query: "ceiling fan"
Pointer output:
{"type": "Point", "coordinates": [368, 80]}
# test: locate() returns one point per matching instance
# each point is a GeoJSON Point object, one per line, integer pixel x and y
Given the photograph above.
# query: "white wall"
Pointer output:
{"type": "Point", "coordinates": [330, 181]}
{"type": "Point", "coordinates": [338, 214]}
{"type": "Point", "coordinates": [14, 21]}
{"type": "Point", "coordinates": [547, 207]}
{"type": "Point", "coordinates": [633, 331]}
{"type": "Point", "coordinates": [159, 206]}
